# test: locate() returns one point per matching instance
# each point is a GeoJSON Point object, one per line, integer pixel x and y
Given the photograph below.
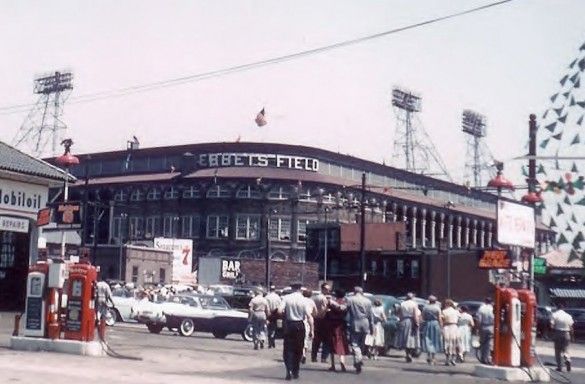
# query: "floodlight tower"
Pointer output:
{"type": "Point", "coordinates": [43, 122]}
{"type": "Point", "coordinates": [478, 157]}
{"type": "Point", "coordinates": [413, 147]}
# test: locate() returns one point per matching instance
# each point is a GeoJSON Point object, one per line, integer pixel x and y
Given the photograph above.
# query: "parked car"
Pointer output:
{"type": "Point", "coordinates": [543, 317]}
{"type": "Point", "coordinates": [579, 321]}
{"type": "Point", "coordinates": [201, 313]}
{"type": "Point", "coordinates": [124, 300]}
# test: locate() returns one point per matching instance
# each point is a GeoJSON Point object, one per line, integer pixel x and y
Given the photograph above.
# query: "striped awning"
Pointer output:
{"type": "Point", "coordinates": [568, 293]}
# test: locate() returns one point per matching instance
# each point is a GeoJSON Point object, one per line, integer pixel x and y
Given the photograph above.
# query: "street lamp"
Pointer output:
{"type": "Point", "coordinates": [66, 160]}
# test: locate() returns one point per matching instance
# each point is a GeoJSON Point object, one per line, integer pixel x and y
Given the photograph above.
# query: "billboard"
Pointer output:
{"type": "Point", "coordinates": [516, 225]}
{"type": "Point", "coordinates": [182, 258]}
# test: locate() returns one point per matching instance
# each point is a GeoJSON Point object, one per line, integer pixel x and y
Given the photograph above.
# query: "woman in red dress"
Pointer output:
{"type": "Point", "coordinates": [337, 328]}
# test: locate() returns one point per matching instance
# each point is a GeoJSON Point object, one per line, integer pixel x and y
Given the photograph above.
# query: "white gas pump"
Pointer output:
{"type": "Point", "coordinates": [36, 306]}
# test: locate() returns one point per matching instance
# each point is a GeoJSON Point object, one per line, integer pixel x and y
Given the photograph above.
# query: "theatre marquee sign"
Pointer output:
{"type": "Point", "coordinates": [215, 160]}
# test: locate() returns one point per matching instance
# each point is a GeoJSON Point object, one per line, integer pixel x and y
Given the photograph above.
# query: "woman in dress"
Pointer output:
{"type": "Point", "coordinates": [378, 340]}
{"type": "Point", "coordinates": [336, 324]}
{"type": "Point", "coordinates": [431, 329]}
{"type": "Point", "coordinates": [465, 324]}
{"type": "Point", "coordinates": [450, 331]}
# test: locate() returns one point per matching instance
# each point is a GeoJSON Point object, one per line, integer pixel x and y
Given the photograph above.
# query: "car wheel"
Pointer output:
{"type": "Point", "coordinates": [154, 328]}
{"type": "Point", "coordinates": [248, 332]}
{"type": "Point", "coordinates": [187, 327]}
{"type": "Point", "coordinates": [111, 317]}
{"type": "Point", "coordinates": [219, 335]}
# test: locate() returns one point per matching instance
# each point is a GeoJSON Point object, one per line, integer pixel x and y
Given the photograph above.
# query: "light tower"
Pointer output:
{"type": "Point", "coordinates": [43, 122]}
{"type": "Point", "coordinates": [478, 157]}
{"type": "Point", "coordinates": [413, 148]}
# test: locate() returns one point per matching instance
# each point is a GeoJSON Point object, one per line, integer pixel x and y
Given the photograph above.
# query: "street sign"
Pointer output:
{"type": "Point", "coordinates": [495, 259]}
{"type": "Point", "coordinates": [539, 266]}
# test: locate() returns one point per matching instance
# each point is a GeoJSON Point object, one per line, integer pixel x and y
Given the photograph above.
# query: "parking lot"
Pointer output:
{"type": "Point", "coordinates": [169, 357]}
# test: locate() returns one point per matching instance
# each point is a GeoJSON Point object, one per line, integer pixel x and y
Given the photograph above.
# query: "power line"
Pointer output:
{"type": "Point", "coordinates": [244, 67]}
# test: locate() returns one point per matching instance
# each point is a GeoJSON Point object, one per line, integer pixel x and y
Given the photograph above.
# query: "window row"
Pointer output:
{"type": "Point", "coordinates": [247, 227]}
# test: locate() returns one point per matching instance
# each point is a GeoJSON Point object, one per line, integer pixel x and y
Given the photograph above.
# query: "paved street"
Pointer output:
{"type": "Point", "coordinates": [202, 359]}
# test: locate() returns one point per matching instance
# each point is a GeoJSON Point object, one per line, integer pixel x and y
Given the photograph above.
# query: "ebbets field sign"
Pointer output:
{"type": "Point", "coordinates": [495, 259]}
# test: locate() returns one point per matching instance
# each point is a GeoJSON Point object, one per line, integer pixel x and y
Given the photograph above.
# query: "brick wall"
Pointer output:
{"type": "Point", "coordinates": [282, 273]}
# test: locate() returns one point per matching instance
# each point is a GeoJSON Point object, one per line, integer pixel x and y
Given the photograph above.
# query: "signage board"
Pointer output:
{"type": "Point", "coordinates": [13, 224]}
{"type": "Point", "coordinates": [230, 269]}
{"type": "Point", "coordinates": [495, 259]}
{"type": "Point", "coordinates": [539, 266]}
{"type": "Point", "coordinates": [182, 257]}
{"type": "Point", "coordinates": [516, 225]}
{"type": "Point", "coordinates": [44, 217]}
{"type": "Point", "coordinates": [68, 213]}
{"type": "Point", "coordinates": [22, 197]}
{"type": "Point", "coordinates": [215, 160]}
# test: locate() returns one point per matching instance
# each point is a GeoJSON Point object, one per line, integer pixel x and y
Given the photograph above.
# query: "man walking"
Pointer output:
{"type": "Point", "coordinates": [103, 297]}
{"type": "Point", "coordinates": [408, 336]}
{"type": "Point", "coordinates": [295, 310]}
{"type": "Point", "coordinates": [562, 325]}
{"type": "Point", "coordinates": [361, 323]}
{"type": "Point", "coordinates": [274, 301]}
{"type": "Point", "coordinates": [258, 315]}
{"type": "Point", "coordinates": [321, 339]}
{"type": "Point", "coordinates": [485, 324]}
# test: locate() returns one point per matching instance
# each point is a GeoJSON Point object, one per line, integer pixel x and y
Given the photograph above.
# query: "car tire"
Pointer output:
{"type": "Point", "coordinates": [219, 335]}
{"type": "Point", "coordinates": [247, 334]}
{"type": "Point", "coordinates": [187, 327]}
{"type": "Point", "coordinates": [154, 328]}
{"type": "Point", "coordinates": [111, 317]}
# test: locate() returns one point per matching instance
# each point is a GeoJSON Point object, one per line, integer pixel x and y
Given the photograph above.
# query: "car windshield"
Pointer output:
{"type": "Point", "coordinates": [213, 302]}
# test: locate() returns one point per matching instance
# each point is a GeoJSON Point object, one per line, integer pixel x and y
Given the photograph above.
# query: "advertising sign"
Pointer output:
{"type": "Point", "coordinates": [230, 269]}
{"type": "Point", "coordinates": [516, 224]}
{"type": "Point", "coordinates": [22, 197]}
{"type": "Point", "coordinates": [495, 259]}
{"type": "Point", "coordinates": [12, 224]}
{"type": "Point", "coordinates": [182, 257]}
{"type": "Point", "coordinates": [68, 213]}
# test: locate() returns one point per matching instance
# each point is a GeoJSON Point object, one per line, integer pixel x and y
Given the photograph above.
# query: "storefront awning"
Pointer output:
{"type": "Point", "coordinates": [568, 293]}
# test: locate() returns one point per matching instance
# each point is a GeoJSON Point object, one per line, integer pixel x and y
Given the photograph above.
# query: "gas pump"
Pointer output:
{"type": "Point", "coordinates": [528, 324]}
{"type": "Point", "coordinates": [36, 296]}
{"type": "Point", "coordinates": [80, 319]}
{"type": "Point", "coordinates": [56, 280]}
{"type": "Point", "coordinates": [507, 328]}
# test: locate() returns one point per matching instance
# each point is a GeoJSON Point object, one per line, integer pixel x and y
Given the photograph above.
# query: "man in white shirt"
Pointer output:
{"type": "Point", "coordinates": [408, 336]}
{"type": "Point", "coordinates": [258, 315]}
{"type": "Point", "coordinates": [321, 335]}
{"type": "Point", "coordinates": [294, 309]}
{"type": "Point", "coordinates": [274, 301]}
{"type": "Point", "coordinates": [562, 325]}
{"type": "Point", "coordinates": [485, 324]}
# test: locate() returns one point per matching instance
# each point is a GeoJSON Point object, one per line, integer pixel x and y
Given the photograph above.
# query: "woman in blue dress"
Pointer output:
{"type": "Point", "coordinates": [431, 329]}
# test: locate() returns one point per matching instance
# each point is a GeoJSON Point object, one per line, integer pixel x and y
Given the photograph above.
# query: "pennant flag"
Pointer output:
{"type": "Point", "coordinates": [559, 111]}
{"type": "Point", "coordinates": [572, 101]}
{"type": "Point", "coordinates": [563, 119]}
{"type": "Point", "coordinates": [579, 183]}
{"type": "Point", "coordinates": [560, 210]}
{"type": "Point", "coordinates": [582, 47]}
{"type": "Point", "coordinates": [551, 127]}
{"type": "Point", "coordinates": [562, 239]}
{"type": "Point", "coordinates": [566, 94]}
{"type": "Point", "coordinates": [574, 219]}
{"type": "Point", "coordinates": [582, 64]}
{"type": "Point", "coordinates": [577, 84]}
{"type": "Point", "coordinates": [579, 238]}
{"type": "Point", "coordinates": [580, 120]}
{"type": "Point", "coordinates": [553, 98]}
{"type": "Point", "coordinates": [581, 202]}
{"type": "Point", "coordinates": [564, 80]}
{"type": "Point", "coordinates": [574, 169]}
{"type": "Point", "coordinates": [568, 229]}
{"type": "Point", "coordinates": [581, 104]}
{"type": "Point", "coordinates": [574, 255]}
{"type": "Point", "coordinates": [573, 63]}
{"type": "Point", "coordinates": [567, 201]}
{"type": "Point", "coordinates": [545, 114]}
{"type": "Point", "coordinates": [541, 168]}
{"type": "Point", "coordinates": [575, 77]}
{"type": "Point", "coordinates": [552, 223]}
{"type": "Point", "coordinates": [576, 140]}
{"type": "Point", "coordinates": [558, 136]}
{"type": "Point", "coordinates": [261, 118]}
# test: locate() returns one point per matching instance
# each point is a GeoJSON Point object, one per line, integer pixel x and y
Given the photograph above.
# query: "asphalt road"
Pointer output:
{"type": "Point", "coordinates": [168, 357]}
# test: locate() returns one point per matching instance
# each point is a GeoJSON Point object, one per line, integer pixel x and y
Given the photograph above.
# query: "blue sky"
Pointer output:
{"type": "Point", "coordinates": [504, 62]}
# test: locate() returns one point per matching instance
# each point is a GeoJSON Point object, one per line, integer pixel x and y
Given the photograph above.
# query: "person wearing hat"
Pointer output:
{"type": "Point", "coordinates": [258, 314]}
{"type": "Point", "coordinates": [361, 324]}
{"type": "Point", "coordinates": [273, 300]}
{"type": "Point", "coordinates": [432, 323]}
{"type": "Point", "coordinates": [295, 310]}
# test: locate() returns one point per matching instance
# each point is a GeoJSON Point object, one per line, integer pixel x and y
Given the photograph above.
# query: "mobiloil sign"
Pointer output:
{"type": "Point", "coordinates": [15, 196]}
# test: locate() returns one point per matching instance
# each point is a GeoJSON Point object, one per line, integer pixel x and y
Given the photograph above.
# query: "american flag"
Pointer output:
{"type": "Point", "coordinates": [261, 118]}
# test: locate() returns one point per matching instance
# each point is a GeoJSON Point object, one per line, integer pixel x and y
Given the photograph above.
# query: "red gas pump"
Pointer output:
{"type": "Point", "coordinates": [528, 325]}
{"type": "Point", "coordinates": [80, 319]}
{"type": "Point", "coordinates": [36, 311]}
{"type": "Point", "coordinates": [507, 328]}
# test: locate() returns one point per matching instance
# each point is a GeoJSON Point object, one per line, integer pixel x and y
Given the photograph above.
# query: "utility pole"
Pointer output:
{"type": "Point", "coordinates": [363, 233]}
